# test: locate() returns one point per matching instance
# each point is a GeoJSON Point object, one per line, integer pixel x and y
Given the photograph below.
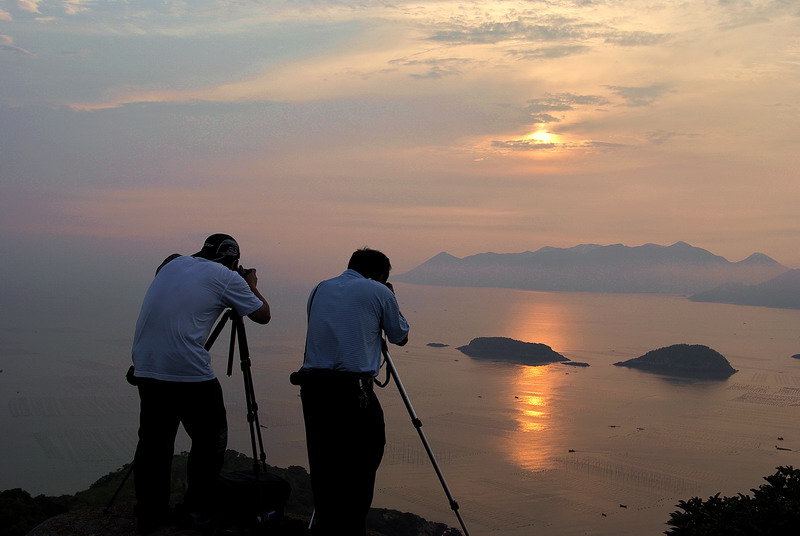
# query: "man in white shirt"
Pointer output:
{"type": "Point", "coordinates": [345, 432]}
{"type": "Point", "coordinates": [173, 373]}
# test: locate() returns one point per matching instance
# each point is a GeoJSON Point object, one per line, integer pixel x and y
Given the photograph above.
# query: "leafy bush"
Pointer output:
{"type": "Point", "coordinates": [19, 512]}
{"type": "Point", "coordinates": [773, 510]}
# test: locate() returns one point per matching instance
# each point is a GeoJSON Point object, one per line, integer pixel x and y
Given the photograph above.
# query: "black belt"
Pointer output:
{"type": "Point", "coordinates": [331, 377]}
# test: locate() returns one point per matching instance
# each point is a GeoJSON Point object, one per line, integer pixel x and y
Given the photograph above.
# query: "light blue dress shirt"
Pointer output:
{"type": "Point", "coordinates": [345, 320]}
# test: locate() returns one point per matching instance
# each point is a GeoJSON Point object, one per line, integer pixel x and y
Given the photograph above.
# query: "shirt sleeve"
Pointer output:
{"type": "Point", "coordinates": [240, 298]}
{"type": "Point", "coordinates": [394, 324]}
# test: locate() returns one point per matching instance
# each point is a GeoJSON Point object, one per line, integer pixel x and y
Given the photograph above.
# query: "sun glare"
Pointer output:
{"type": "Point", "coordinates": [542, 136]}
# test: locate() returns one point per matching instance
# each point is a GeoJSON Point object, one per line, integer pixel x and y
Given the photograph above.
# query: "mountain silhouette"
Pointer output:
{"type": "Point", "coordinates": [782, 291]}
{"type": "Point", "coordinates": [651, 268]}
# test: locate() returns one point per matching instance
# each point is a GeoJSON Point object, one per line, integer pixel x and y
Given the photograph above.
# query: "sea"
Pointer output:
{"type": "Point", "coordinates": [550, 450]}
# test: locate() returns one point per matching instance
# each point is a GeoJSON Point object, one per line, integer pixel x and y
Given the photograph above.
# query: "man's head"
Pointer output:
{"type": "Point", "coordinates": [220, 248]}
{"type": "Point", "coordinates": [371, 263]}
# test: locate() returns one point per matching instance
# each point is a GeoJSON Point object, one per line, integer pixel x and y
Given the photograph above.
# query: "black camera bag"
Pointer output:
{"type": "Point", "coordinates": [252, 503]}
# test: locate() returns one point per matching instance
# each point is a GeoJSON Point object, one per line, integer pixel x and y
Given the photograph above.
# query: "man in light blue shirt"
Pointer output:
{"type": "Point", "coordinates": [345, 432]}
{"type": "Point", "coordinates": [173, 373]}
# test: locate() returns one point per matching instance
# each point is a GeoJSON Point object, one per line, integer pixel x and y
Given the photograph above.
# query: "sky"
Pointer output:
{"type": "Point", "coordinates": [133, 129]}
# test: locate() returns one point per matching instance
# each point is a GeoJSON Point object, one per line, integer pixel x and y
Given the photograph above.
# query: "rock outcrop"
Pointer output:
{"type": "Point", "coordinates": [683, 360]}
{"type": "Point", "coordinates": [511, 351]}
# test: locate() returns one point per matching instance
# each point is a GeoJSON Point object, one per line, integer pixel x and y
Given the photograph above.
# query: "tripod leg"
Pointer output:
{"type": "Point", "coordinates": [249, 393]}
{"type": "Point", "coordinates": [119, 488]}
{"type": "Point", "coordinates": [418, 425]}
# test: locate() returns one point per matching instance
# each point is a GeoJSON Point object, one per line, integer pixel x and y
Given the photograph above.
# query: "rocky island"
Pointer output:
{"type": "Point", "coordinates": [685, 361]}
{"type": "Point", "coordinates": [511, 351]}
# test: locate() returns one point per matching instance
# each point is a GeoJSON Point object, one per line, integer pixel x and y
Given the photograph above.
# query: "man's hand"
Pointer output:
{"type": "Point", "coordinates": [262, 315]}
{"type": "Point", "coordinates": [249, 275]}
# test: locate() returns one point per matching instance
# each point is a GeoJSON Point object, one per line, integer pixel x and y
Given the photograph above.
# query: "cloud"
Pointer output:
{"type": "Point", "coordinates": [533, 145]}
{"type": "Point", "coordinates": [738, 14]}
{"type": "Point", "coordinates": [5, 15]}
{"type": "Point", "coordinates": [636, 39]}
{"type": "Point", "coordinates": [547, 29]}
{"type": "Point", "coordinates": [635, 96]}
{"type": "Point", "coordinates": [7, 44]}
{"type": "Point", "coordinates": [541, 109]}
{"type": "Point", "coordinates": [523, 145]}
{"type": "Point", "coordinates": [31, 6]}
{"type": "Point", "coordinates": [435, 67]}
{"type": "Point", "coordinates": [658, 137]}
{"type": "Point", "coordinates": [550, 52]}
{"type": "Point", "coordinates": [496, 32]}
{"type": "Point", "coordinates": [73, 7]}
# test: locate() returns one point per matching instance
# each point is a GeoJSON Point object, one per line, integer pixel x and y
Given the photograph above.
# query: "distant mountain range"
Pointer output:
{"type": "Point", "coordinates": [677, 269]}
{"type": "Point", "coordinates": [781, 291]}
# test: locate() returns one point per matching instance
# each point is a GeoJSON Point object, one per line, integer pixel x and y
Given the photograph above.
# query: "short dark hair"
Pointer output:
{"type": "Point", "coordinates": [370, 263]}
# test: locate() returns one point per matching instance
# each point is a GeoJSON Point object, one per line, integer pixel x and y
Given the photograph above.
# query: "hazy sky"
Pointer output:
{"type": "Point", "coordinates": [132, 129]}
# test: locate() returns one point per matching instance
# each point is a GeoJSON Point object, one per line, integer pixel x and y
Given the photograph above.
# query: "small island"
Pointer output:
{"type": "Point", "coordinates": [683, 360]}
{"type": "Point", "coordinates": [511, 351]}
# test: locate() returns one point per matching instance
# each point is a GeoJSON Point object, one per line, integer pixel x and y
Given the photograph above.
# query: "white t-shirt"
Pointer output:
{"type": "Point", "coordinates": [178, 313]}
{"type": "Point", "coordinates": [347, 314]}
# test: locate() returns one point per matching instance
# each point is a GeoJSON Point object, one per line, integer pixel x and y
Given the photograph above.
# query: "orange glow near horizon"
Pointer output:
{"type": "Point", "coordinates": [540, 320]}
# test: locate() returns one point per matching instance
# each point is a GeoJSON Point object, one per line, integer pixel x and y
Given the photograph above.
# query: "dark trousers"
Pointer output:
{"type": "Point", "coordinates": [345, 438]}
{"type": "Point", "coordinates": [199, 406]}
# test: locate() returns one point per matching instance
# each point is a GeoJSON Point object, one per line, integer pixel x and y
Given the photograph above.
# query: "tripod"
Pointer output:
{"type": "Point", "coordinates": [237, 334]}
{"type": "Point", "coordinates": [392, 371]}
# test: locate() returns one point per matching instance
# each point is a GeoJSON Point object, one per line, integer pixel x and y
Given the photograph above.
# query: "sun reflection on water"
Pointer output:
{"type": "Point", "coordinates": [533, 443]}
{"type": "Point", "coordinates": [538, 436]}
{"type": "Point", "coordinates": [540, 319]}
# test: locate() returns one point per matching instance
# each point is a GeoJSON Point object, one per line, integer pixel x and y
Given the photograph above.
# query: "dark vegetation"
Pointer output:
{"type": "Point", "coordinates": [772, 510]}
{"type": "Point", "coordinates": [20, 513]}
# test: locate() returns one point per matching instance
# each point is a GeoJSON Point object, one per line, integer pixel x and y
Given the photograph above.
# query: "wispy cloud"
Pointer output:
{"type": "Point", "coordinates": [554, 52]}
{"type": "Point", "coordinates": [658, 137]}
{"type": "Point", "coordinates": [533, 145]}
{"type": "Point", "coordinates": [737, 14]}
{"type": "Point", "coordinates": [496, 32]}
{"type": "Point", "coordinates": [7, 45]}
{"type": "Point", "coordinates": [31, 6]}
{"type": "Point", "coordinates": [5, 15]}
{"type": "Point", "coordinates": [434, 67]}
{"type": "Point", "coordinates": [542, 109]}
{"type": "Point", "coordinates": [636, 39]}
{"type": "Point", "coordinates": [641, 95]}
{"type": "Point", "coordinates": [73, 7]}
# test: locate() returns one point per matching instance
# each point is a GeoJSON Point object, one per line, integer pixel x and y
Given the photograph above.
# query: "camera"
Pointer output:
{"type": "Point", "coordinates": [244, 272]}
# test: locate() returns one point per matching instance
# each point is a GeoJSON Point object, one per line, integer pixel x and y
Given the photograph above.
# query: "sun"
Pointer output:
{"type": "Point", "coordinates": [542, 136]}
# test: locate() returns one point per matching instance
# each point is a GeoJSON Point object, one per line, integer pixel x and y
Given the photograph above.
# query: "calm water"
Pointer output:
{"type": "Point", "coordinates": [503, 434]}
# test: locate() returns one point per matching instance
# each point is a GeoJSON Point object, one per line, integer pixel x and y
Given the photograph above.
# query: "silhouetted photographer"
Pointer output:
{"type": "Point", "coordinates": [345, 432]}
{"type": "Point", "coordinates": [176, 382]}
